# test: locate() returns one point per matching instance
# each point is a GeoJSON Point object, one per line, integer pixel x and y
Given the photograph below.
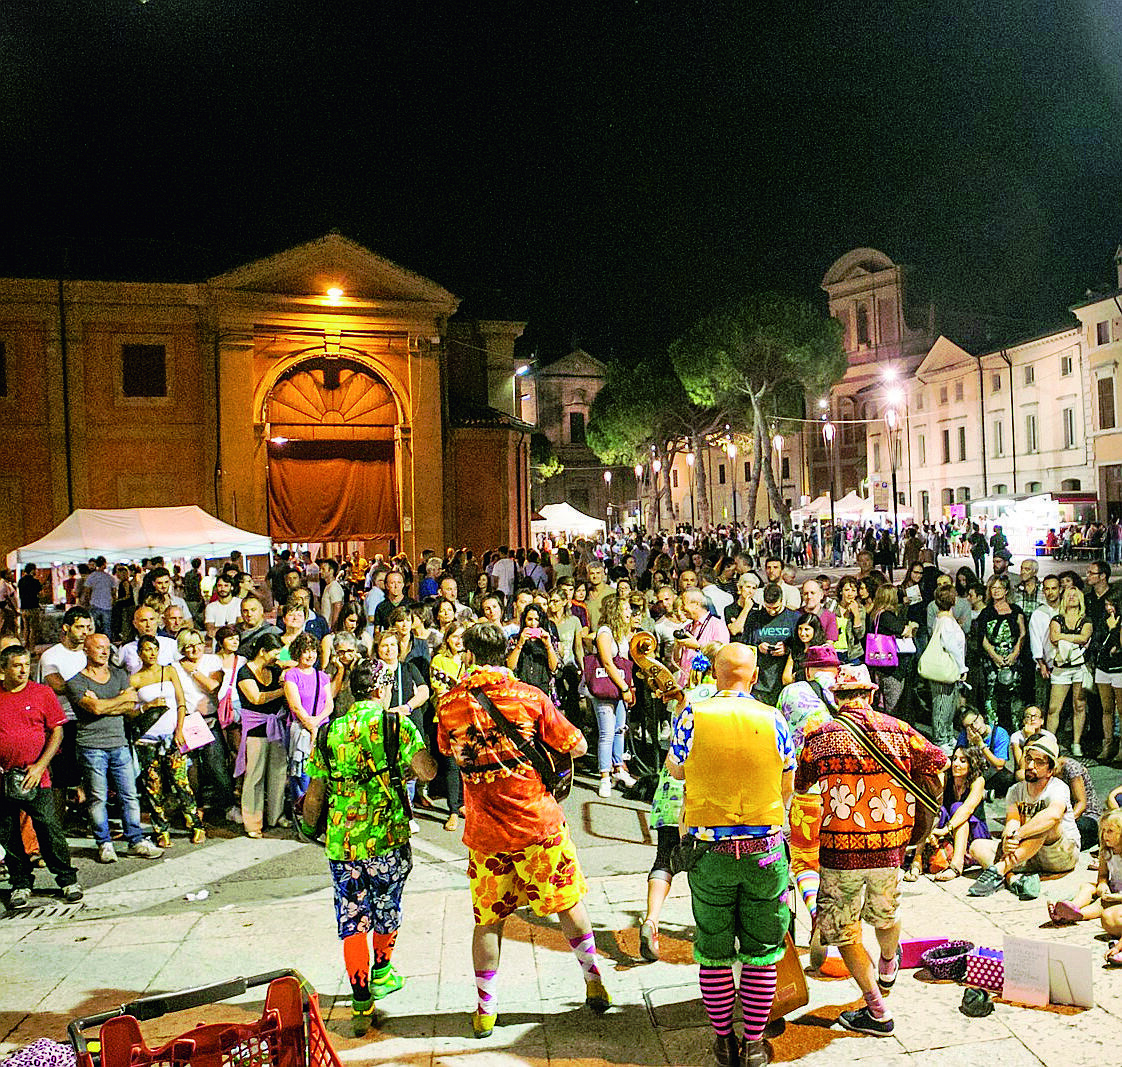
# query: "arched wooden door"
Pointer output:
{"type": "Point", "coordinates": [332, 472]}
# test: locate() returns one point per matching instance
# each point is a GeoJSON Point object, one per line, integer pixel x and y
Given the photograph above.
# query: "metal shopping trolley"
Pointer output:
{"type": "Point", "coordinates": [290, 1032]}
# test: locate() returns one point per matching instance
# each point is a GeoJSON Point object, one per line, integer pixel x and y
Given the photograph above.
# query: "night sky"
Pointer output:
{"type": "Point", "coordinates": [610, 172]}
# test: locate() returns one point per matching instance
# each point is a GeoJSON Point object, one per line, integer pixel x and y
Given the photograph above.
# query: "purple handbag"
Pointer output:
{"type": "Point", "coordinates": [880, 649]}
{"type": "Point", "coordinates": [599, 682]}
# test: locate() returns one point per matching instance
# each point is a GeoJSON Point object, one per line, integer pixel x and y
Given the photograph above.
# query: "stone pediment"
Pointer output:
{"type": "Point", "coordinates": [860, 262]}
{"type": "Point", "coordinates": [309, 270]}
{"type": "Point", "coordinates": [577, 363]}
{"type": "Point", "coordinates": [944, 355]}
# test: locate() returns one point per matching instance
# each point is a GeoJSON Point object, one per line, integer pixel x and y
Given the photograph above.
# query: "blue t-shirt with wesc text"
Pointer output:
{"type": "Point", "coordinates": [772, 630]}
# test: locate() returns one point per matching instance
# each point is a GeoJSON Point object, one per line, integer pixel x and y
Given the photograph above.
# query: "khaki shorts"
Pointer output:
{"type": "Point", "coordinates": [1057, 858]}
{"type": "Point", "coordinates": [846, 898]}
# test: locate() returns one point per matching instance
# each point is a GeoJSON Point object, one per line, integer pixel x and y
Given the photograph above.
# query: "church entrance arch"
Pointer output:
{"type": "Point", "coordinates": [332, 457]}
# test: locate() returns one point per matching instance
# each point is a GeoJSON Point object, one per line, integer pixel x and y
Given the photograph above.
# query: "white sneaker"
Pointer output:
{"type": "Point", "coordinates": [106, 853]}
{"type": "Point", "coordinates": [624, 779]}
{"type": "Point", "coordinates": [414, 826]}
{"type": "Point", "coordinates": [605, 787]}
{"type": "Point", "coordinates": [146, 850]}
{"type": "Point", "coordinates": [234, 815]}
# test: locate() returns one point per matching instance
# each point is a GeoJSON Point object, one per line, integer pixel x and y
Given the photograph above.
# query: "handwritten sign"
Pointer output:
{"type": "Point", "coordinates": [1026, 971]}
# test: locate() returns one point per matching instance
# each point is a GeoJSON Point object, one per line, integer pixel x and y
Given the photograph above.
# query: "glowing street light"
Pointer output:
{"type": "Point", "coordinates": [828, 432]}
{"type": "Point", "coordinates": [892, 424]}
{"type": "Point", "coordinates": [334, 294]}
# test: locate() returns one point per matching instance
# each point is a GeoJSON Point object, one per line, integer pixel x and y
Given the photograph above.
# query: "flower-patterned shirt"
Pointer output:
{"type": "Point", "coordinates": [867, 818]}
{"type": "Point", "coordinates": [506, 807]}
{"type": "Point", "coordinates": [365, 818]}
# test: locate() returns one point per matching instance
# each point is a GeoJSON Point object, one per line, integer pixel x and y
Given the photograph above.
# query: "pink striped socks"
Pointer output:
{"type": "Point", "coordinates": [718, 994]}
{"type": "Point", "coordinates": [485, 983]}
{"type": "Point", "coordinates": [584, 948]}
{"type": "Point", "coordinates": [757, 991]}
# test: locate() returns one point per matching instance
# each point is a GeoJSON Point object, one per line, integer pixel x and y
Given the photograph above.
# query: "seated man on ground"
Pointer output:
{"type": "Point", "coordinates": [1040, 832]}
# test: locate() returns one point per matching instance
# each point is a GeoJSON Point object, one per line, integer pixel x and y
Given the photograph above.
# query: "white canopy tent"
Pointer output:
{"type": "Point", "coordinates": [564, 518]}
{"type": "Point", "coordinates": [819, 508]}
{"type": "Point", "coordinates": [131, 533]}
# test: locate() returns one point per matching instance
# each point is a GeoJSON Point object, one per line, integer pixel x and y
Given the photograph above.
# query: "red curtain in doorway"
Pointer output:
{"type": "Point", "coordinates": [332, 490]}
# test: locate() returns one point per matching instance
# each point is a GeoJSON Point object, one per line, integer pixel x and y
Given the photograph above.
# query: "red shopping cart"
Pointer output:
{"type": "Point", "coordinates": [290, 1032]}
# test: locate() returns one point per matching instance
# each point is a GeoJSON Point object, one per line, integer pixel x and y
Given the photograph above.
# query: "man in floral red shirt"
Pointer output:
{"type": "Point", "coordinates": [520, 852]}
{"type": "Point", "coordinates": [866, 825]}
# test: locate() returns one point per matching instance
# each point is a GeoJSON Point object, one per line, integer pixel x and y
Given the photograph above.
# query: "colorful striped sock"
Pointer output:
{"type": "Point", "coordinates": [807, 883]}
{"type": "Point", "coordinates": [584, 948]}
{"type": "Point", "coordinates": [757, 991]}
{"type": "Point", "coordinates": [718, 994]}
{"type": "Point", "coordinates": [485, 984]}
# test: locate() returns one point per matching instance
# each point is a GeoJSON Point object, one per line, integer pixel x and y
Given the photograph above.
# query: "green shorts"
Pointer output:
{"type": "Point", "coordinates": [740, 908]}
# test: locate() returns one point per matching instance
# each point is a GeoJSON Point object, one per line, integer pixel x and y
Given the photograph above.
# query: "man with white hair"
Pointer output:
{"type": "Point", "coordinates": [703, 628]}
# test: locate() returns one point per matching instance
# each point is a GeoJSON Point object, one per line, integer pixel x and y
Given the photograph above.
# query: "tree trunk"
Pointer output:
{"type": "Point", "coordinates": [667, 500]}
{"type": "Point", "coordinates": [754, 481]}
{"type": "Point", "coordinates": [700, 513]}
{"type": "Point", "coordinates": [777, 504]}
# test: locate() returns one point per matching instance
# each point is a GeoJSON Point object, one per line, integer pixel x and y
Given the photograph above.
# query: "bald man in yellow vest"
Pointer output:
{"type": "Point", "coordinates": [736, 757]}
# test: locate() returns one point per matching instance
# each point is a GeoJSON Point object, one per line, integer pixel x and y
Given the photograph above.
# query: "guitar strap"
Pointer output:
{"type": "Point", "coordinates": [524, 745]}
{"type": "Point", "coordinates": [888, 764]}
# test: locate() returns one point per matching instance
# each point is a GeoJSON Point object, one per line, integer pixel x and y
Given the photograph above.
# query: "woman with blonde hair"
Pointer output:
{"type": "Point", "coordinates": [1070, 631]}
{"type": "Point", "coordinates": [611, 714]}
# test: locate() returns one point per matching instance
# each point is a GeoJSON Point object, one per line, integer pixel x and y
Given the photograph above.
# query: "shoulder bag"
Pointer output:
{"type": "Point", "coordinates": [925, 788]}
{"type": "Point", "coordinates": [599, 682]}
{"type": "Point", "coordinates": [554, 767]}
{"type": "Point", "coordinates": [936, 664]}
{"type": "Point", "coordinates": [880, 649]}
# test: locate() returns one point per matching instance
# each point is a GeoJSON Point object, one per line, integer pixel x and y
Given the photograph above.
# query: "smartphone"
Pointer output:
{"type": "Point", "coordinates": [533, 631]}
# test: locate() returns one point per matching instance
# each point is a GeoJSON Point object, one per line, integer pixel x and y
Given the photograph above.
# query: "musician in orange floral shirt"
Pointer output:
{"type": "Point", "coordinates": [520, 852]}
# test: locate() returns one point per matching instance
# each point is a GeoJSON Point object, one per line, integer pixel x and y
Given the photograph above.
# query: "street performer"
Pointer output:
{"type": "Point", "coordinates": [519, 847]}
{"type": "Point", "coordinates": [739, 882]}
{"type": "Point", "coordinates": [865, 831]}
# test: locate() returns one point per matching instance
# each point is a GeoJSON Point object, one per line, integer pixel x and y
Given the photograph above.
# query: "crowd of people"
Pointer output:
{"type": "Point", "coordinates": [343, 695]}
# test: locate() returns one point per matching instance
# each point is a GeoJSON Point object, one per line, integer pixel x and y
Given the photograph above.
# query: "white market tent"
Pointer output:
{"type": "Point", "coordinates": [564, 518]}
{"type": "Point", "coordinates": [131, 533]}
{"type": "Point", "coordinates": [819, 508]}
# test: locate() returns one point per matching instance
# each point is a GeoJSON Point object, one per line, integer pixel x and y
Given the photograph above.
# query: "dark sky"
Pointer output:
{"type": "Point", "coordinates": [615, 170]}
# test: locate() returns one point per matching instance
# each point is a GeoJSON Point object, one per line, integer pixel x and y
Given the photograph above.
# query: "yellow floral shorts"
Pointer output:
{"type": "Point", "coordinates": [546, 876]}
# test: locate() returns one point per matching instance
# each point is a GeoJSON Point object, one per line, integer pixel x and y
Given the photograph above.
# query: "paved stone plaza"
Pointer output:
{"type": "Point", "coordinates": [269, 906]}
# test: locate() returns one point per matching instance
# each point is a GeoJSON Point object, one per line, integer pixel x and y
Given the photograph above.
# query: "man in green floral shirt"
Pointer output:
{"type": "Point", "coordinates": [368, 834]}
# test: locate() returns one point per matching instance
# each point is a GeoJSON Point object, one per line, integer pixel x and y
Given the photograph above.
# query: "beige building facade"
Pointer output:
{"type": "Point", "coordinates": [1006, 422]}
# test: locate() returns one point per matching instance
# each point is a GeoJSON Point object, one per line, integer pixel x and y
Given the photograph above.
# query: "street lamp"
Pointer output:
{"type": "Point", "coordinates": [689, 464]}
{"type": "Point", "coordinates": [639, 492]}
{"type": "Point", "coordinates": [892, 424]}
{"type": "Point", "coordinates": [828, 432]}
{"type": "Point", "coordinates": [732, 464]}
{"type": "Point", "coordinates": [608, 493]}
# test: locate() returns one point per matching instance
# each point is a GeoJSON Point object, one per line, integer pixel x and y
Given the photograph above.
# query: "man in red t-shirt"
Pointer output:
{"type": "Point", "coordinates": [515, 831]}
{"type": "Point", "coordinates": [31, 721]}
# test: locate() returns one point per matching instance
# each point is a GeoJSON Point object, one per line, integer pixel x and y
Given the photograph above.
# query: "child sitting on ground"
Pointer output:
{"type": "Point", "coordinates": [1101, 899]}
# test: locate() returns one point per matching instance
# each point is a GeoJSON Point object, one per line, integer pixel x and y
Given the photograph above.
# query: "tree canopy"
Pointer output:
{"type": "Point", "coordinates": [770, 350]}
